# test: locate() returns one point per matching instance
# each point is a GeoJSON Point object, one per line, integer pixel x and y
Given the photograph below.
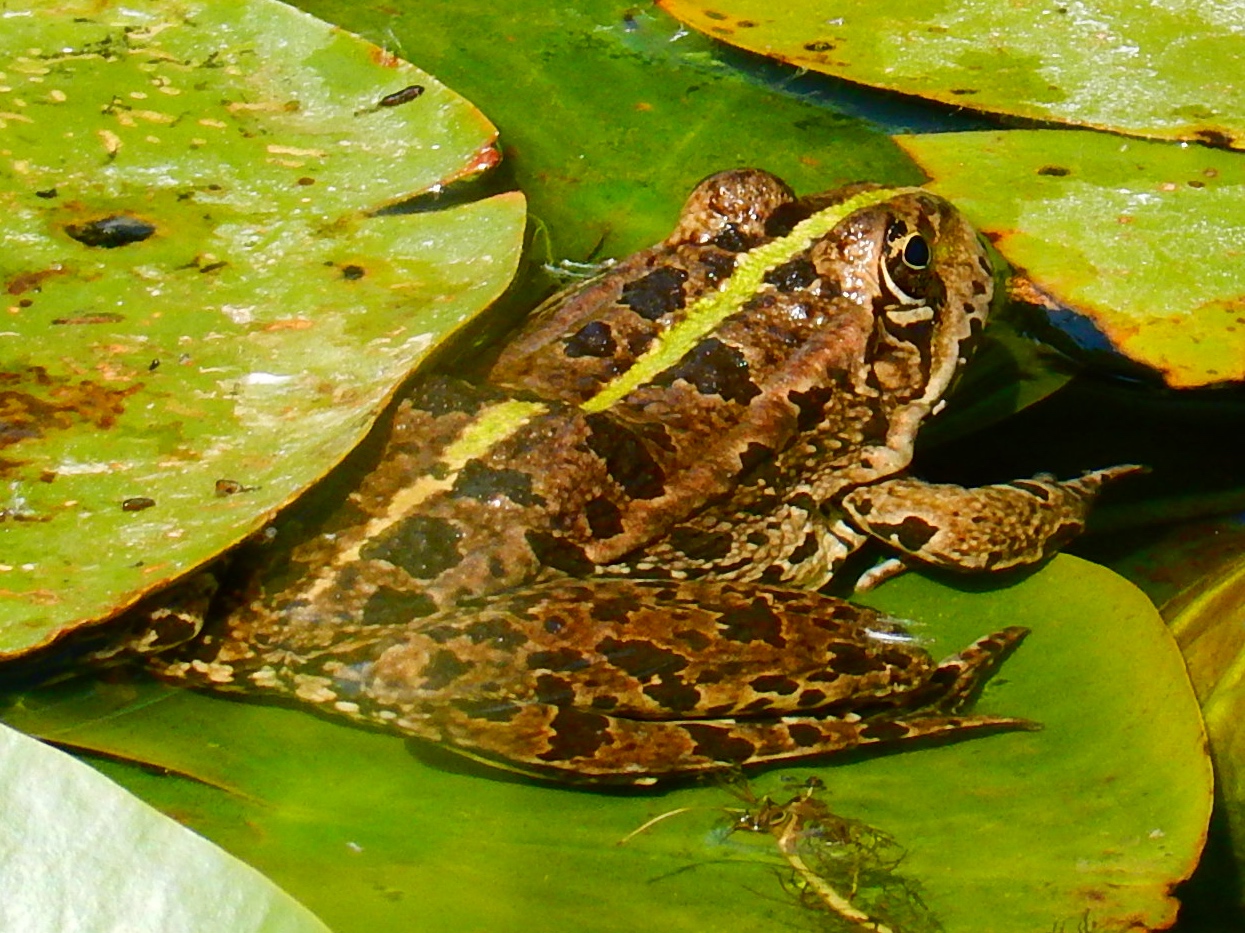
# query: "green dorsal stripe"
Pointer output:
{"type": "Point", "coordinates": [710, 310]}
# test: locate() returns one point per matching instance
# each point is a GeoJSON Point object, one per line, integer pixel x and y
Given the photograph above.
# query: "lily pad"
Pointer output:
{"type": "Point", "coordinates": [1091, 820]}
{"type": "Point", "coordinates": [203, 313]}
{"type": "Point", "coordinates": [1132, 247]}
{"type": "Point", "coordinates": [1208, 620]}
{"type": "Point", "coordinates": [81, 855]}
{"type": "Point", "coordinates": [1169, 71]}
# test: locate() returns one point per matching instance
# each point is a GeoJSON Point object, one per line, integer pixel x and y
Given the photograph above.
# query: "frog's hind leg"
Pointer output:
{"type": "Point", "coordinates": [588, 746]}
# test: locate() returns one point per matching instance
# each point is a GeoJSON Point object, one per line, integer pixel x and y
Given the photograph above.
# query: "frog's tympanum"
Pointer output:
{"type": "Point", "coordinates": [600, 562]}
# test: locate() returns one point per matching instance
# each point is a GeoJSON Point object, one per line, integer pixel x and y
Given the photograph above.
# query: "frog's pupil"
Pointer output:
{"type": "Point", "coordinates": [916, 252]}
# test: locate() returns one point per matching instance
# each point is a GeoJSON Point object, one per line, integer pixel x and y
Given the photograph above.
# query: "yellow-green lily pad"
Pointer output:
{"type": "Point", "coordinates": [1170, 71]}
{"type": "Point", "coordinates": [82, 855]}
{"type": "Point", "coordinates": [202, 312]}
{"type": "Point", "coordinates": [1088, 823]}
{"type": "Point", "coordinates": [1131, 247]}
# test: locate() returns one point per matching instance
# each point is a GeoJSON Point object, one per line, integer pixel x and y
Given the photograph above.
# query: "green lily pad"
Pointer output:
{"type": "Point", "coordinates": [1208, 620]}
{"type": "Point", "coordinates": [81, 855]}
{"type": "Point", "coordinates": [1133, 247]}
{"type": "Point", "coordinates": [1093, 819]}
{"type": "Point", "coordinates": [203, 316]}
{"type": "Point", "coordinates": [1169, 72]}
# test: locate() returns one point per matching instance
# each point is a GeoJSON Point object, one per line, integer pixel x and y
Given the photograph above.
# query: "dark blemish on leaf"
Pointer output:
{"type": "Point", "coordinates": [405, 96]}
{"type": "Point", "coordinates": [656, 294]}
{"type": "Point", "coordinates": [714, 368]}
{"type": "Point", "coordinates": [593, 339]}
{"type": "Point", "coordinates": [137, 503]}
{"type": "Point", "coordinates": [352, 273]}
{"type": "Point", "coordinates": [388, 606]}
{"type": "Point", "coordinates": [103, 317]}
{"type": "Point", "coordinates": [112, 231]}
{"type": "Point", "coordinates": [305, 181]}
{"type": "Point", "coordinates": [1057, 171]}
{"type": "Point", "coordinates": [820, 46]}
{"type": "Point", "coordinates": [420, 545]}
{"type": "Point", "coordinates": [230, 487]}
{"type": "Point", "coordinates": [962, 91]}
{"type": "Point", "coordinates": [47, 194]}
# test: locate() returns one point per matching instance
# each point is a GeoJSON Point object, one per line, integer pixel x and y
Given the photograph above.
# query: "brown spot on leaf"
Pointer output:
{"type": "Point", "coordinates": [111, 232]}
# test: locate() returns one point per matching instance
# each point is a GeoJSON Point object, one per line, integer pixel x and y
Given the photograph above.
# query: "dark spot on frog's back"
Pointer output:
{"type": "Point", "coordinates": [440, 396]}
{"type": "Point", "coordinates": [774, 683]}
{"type": "Point", "coordinates": [718, 743]}
{"type": "Point", "coordinates": [560, 554]}
{"type": "Point", "coordinates": [672, 693]}
{"type": "Point", "coordinates": [420, 545]}
{"type": "Point", "coordinates": [639, 658]}
{"type": "Point", "coordinates": [487, 708]}
{"type": "Point", "coordinates": [576, 734]}
{"type": "Point", "coordinates": [753, 622]}
{"type": "Point", "coordinates": [593, 339]}
{"type": "Point", "coordinates": [477, 481]}
{"type": "Point", "coordinates": [714, 368]}
{"type": "Point", "coordinates": [804, 734]}
{"type": "Point", "coordinates": [443, 669]}
{"type": "Point", "coordinates": [700, 545]}
{"type": "Point", "coordinates": [626, 458]}
{"type": "Point", "coordinates": [388, 606]}
{"type": "Point", "coordinates": [604, 518]}
{"type": "Point", "coordinates": [559, 659]}
{"type": "Point", "coordinates": [656, 294]}
{"type": "Point", "coordinates": [911, 534]}
{"type": "Point", "coordinates": [793, 275]}
{"type": "Point", "coordinates": [811, 406]}
{"type": "Point", "coordinates": [497, 632]}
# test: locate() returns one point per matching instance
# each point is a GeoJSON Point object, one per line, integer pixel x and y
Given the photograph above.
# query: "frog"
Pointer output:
{"type": "Point", "coordinates": [602, 560]}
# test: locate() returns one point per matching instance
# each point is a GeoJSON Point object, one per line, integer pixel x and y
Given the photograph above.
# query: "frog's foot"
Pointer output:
{"type": "Point", "coordinates": [984, 528]}
{"type": "Point", "coordinates": [960, 677]}
{"type": "Point", "coordinates": [175, 619]}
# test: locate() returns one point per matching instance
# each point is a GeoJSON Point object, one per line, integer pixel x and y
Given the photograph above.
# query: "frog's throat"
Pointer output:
{"type": "Point", "coordinates": [711, 309]}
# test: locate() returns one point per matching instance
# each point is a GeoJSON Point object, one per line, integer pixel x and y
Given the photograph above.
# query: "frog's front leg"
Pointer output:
{"type": "Point", "coordinates": [618, 680]}
{"type": "Point", "coordinates": [983, 528]}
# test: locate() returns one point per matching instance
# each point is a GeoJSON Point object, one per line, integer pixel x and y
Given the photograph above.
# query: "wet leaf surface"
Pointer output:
{"type": "Point", "coordinates": [81, 855]}
{"type": "Point", "coordinates": [1101, 811]}
{"type": "Point", "coordinates": [1133, 247]}
{"type": "Point", "coordinates": [1108, 64]}
{"type": "Point", "coordinates": [201, 316]}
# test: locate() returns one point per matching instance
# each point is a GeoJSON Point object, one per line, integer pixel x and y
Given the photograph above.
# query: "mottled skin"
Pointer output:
{"type": "Point", "coordinates": [599, 580]}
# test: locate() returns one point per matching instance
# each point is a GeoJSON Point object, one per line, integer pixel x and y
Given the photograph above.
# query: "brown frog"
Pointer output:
{"type": "Point", "coordinates": [600, 562]}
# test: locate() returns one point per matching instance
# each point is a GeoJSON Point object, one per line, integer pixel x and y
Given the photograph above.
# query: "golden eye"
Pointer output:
{"type": "Point", "coordinates": [906, 269]}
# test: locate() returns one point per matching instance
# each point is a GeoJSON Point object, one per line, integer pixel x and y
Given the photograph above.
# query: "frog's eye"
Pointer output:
{"type": "Point", "coordinates": [915, 252]}
{"type": "Point", "coordinates": [905, 267]}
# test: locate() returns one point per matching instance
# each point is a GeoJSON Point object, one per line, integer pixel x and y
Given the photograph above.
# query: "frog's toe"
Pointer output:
{"type": "Point", "coordinates": [959, 678]}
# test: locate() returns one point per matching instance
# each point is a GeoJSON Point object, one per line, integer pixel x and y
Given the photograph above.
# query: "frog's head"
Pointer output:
{"type": "Point", "coordinates": [926, 275]}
